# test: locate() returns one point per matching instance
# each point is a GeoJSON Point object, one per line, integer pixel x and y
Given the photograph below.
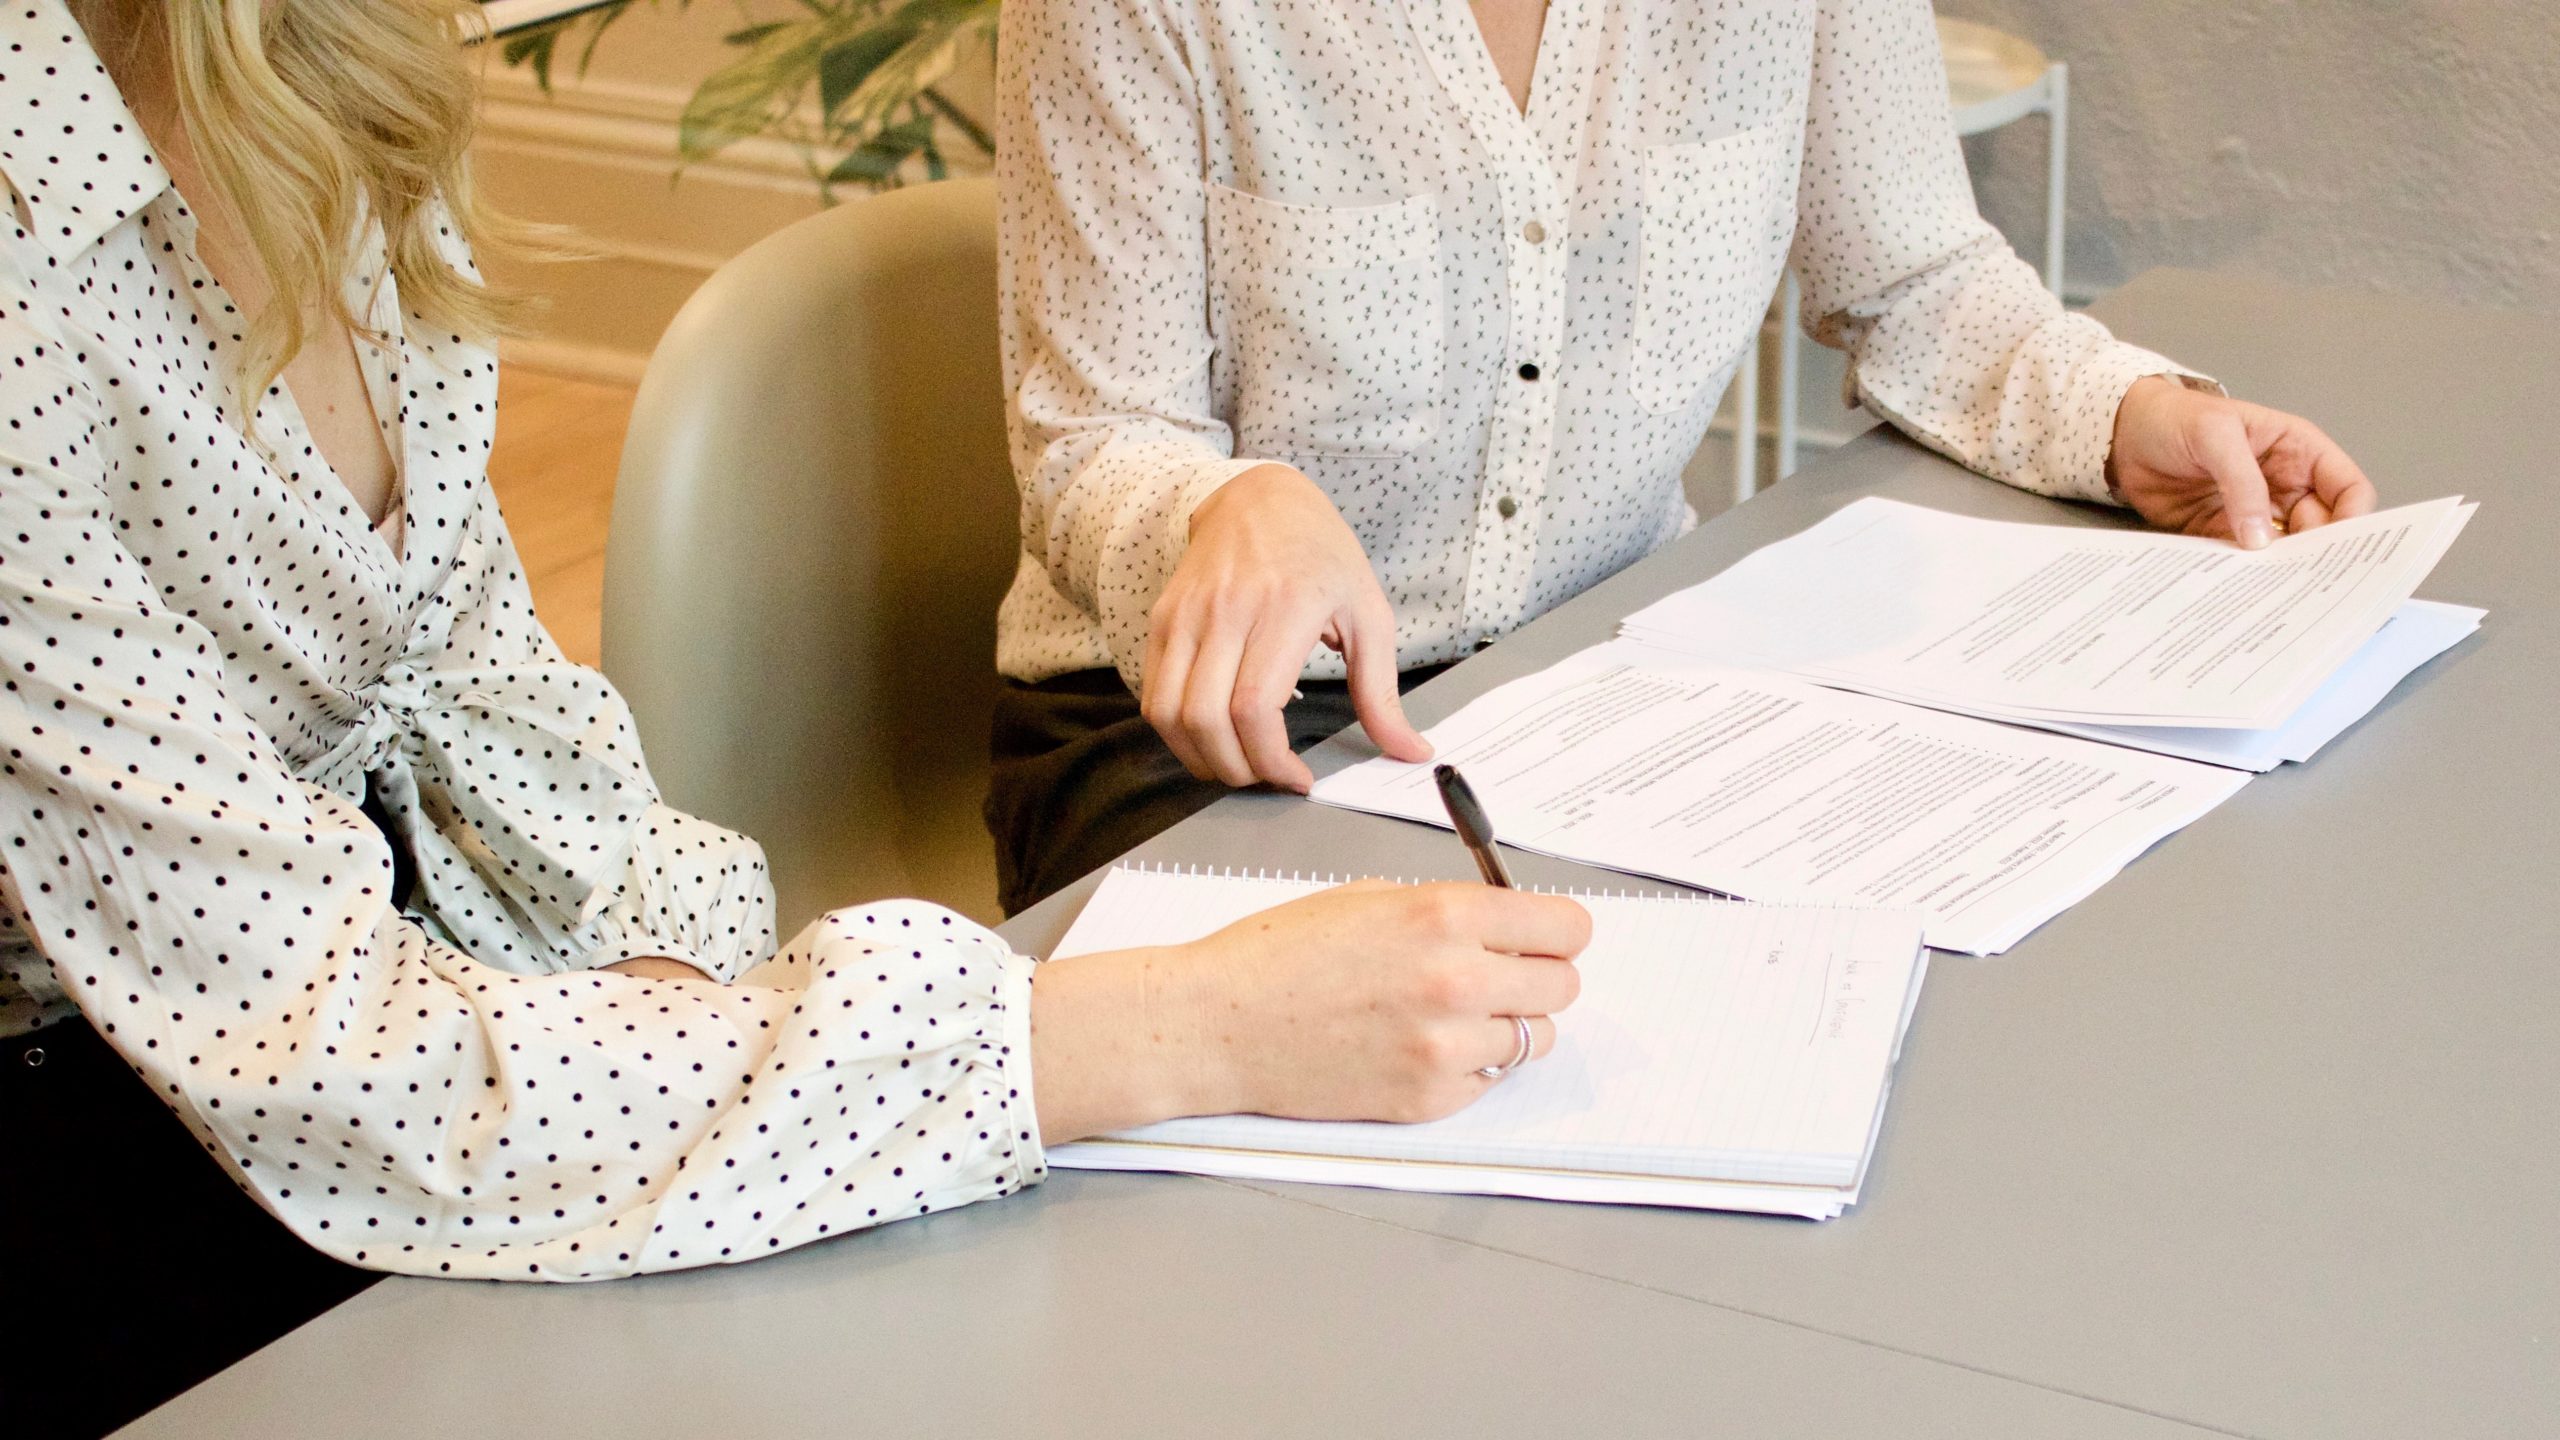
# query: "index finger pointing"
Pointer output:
{"type": "Point", "coordinates": [1369, 660]}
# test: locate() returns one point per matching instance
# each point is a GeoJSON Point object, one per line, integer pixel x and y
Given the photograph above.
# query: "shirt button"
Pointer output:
{"type": "Point", "coordinates": [1507, 507]}
{"type": "Point", "coordinates": [1534, 232]}
{"type": "Point", "coordinates": [1486, 643]}
{"type": "Point", "coordinates": [1528, 372]}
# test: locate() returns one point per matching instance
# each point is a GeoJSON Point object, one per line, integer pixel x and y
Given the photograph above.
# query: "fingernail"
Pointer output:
{"type": "Point", "coordinates": [2256, 534]}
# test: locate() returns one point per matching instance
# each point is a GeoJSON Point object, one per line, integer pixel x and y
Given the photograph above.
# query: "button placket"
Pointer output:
{"type": "Point", "coordinates": [1518, 451]}
{"type": "Point", "coordinates": [1503, 544]}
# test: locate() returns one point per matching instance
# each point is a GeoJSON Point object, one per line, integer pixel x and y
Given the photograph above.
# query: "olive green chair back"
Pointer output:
{"type": "Point", "coordinates": [814, 522]}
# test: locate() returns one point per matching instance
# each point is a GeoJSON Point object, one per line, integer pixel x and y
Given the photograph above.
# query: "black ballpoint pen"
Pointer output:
{"type": "Point", "coordinates": [1472, 826]}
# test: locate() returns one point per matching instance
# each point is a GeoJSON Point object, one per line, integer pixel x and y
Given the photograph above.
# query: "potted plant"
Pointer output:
{"type": "Point", "coordinates": [855, 85]}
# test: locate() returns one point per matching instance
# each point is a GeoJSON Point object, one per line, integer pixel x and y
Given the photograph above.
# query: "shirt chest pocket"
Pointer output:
{"type": "Point", "coordinates": [1331, 323]}
{"type": "Point", "coordinates": [1718, 217]}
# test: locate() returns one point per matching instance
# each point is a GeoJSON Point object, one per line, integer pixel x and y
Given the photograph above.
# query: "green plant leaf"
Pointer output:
{"type": "Point", "coordinates": [876, 161]}
{"type": "Point", "coordinates": [540, 45]}
{"type": "Point", "coordinates": [950, 12]}
{"type": "Point", "coordinates": [958, 119]}
{"type": "Point", "coordinates": [535, 47]}
{"type": "Point", "coordinates": [873, 65]}
{"type": "Point", "coordinates": [603, 20]}
{"type": "Point", "coordinates": [851, 60]}
{"type": "Point", "coordinates": [752, 93]}
{"type": "Point", "coordinates": [942, 30]}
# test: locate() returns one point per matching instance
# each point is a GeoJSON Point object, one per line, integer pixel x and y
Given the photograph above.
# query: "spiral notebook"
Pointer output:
{"type": "Point", "coordinates": [1722, 1056]}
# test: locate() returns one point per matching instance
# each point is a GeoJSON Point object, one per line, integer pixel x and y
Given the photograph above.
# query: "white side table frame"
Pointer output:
{"type": "Point", "coordinates": [1993, 79]}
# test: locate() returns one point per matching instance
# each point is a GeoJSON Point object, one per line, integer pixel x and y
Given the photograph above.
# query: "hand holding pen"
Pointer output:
{"type": "Point", "coordinates": [1466, 813]}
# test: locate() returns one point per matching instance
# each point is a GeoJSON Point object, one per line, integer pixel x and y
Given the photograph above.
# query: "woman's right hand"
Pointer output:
{"type": "Point", "coordinates": [1367, 1002]}
{"type": "Point", "coordinates": [1272, 571]}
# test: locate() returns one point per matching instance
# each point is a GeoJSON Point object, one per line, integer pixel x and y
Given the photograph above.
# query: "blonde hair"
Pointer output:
{"type": "Point", "coordinates": [305, 112]}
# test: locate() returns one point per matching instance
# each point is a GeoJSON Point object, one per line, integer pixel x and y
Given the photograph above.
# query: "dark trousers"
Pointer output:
{"type": "Point", "coordinates": [130, 1266]}
{"type": "Point", "coordinates": [1080, 778]}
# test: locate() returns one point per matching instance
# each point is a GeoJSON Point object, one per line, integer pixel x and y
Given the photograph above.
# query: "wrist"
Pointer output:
{"type": "Point", "coordinates": [1183, 991]}
{"type": "Point", "coordinates": [2142, 393]}
{"type": "Point", "coordinates": [1117, 1041]}
{"type": "Point", "coordinates": [1245, 491]}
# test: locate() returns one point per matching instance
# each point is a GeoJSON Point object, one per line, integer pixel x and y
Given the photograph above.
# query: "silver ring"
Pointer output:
{"type": "Point", "coordinates": [1519, 1057]}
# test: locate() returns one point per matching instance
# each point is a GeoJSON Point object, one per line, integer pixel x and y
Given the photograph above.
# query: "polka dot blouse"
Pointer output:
{"type": "Point", "coordinates": [1322, 233]}
{"type": "Point", "coordinates": [208, 656]}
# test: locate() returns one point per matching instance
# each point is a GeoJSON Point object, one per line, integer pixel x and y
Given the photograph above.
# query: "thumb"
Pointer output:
{"type": "Point", "coordinates": [1369, 657]}
{"type": "Point", "coordinates": [2222, 443]}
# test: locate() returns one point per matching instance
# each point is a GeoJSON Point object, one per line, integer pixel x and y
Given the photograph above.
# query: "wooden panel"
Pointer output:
{"type": "Point", "coordinates": [559, 443]}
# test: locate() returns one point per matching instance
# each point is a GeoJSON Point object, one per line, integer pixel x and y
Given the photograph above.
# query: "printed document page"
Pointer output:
{"type": "Point", "coordinates": [2106, 627]}
{"type": "Point", "coordinates": [1771, 788]}
{"type": "Point", "coordinates": [2421, 631]}
{"type": "Point", "coordinates": [1721, 1055]}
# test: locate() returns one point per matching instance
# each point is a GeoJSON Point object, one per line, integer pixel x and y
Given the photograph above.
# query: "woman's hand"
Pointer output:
{"type": "Point", "coordinates": [2209, 465]}
{"type": "Point", "coordinates": [1271, 571]}
{"type": "Point", "coordinates": [1367, 1002]}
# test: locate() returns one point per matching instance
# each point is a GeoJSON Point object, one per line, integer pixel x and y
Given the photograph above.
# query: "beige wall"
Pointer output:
{"type": "Point", "coordinates": [2372, 143]}
{"type": "Point", "coordinates": [599, 155]}
{"type": "Point", "coordinates": [672, 47]}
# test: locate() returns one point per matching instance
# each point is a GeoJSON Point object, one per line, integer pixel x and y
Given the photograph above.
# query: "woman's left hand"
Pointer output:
{"type": "Point", "coordinates": [2206, 464]}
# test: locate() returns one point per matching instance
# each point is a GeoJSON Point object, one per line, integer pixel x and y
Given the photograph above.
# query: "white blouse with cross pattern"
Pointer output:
{"type": "Point", "coordinates": [1239, 231]}
{"type": "Point", "coordinates": [207, 654]}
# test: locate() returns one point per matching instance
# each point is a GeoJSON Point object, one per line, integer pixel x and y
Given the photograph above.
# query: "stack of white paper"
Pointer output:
{"type": "Point", "coordinates": [2073, 628]}
{"type": "Point", "coordinates": [1815, 722]}
{"type": "Point", "coordinates": [1772, 788]}
{"type": "Point", "coordinates": [2421, 631]}
{"type": "Point", "coordinates": [1721, 1056]}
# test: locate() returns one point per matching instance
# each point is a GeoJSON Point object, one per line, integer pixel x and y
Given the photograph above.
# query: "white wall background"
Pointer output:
{"type": "Point", "coordinates": [2410, 146]}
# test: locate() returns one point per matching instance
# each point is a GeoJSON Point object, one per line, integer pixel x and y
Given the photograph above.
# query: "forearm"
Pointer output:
{"type": "Point", "coordinates": [1973, 358]}
{"type": "Point", "coordinates": [1116, 432]}
{"type": "Point", "coordinates": [881, 1090]}
{"type": "Point", "coordinates": [1117, 1042]}
{"type": "Point", "coordinates": [1951, 336]}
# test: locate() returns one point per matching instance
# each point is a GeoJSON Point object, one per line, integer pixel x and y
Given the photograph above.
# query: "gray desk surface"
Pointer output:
{"type": "Point", "coordinates": [2252, 1142]}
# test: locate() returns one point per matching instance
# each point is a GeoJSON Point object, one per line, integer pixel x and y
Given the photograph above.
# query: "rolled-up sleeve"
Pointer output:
{"type": "Point", "coordinates": [401, 1105]}
{"type": "Point", "coordinates": [1950, 335]}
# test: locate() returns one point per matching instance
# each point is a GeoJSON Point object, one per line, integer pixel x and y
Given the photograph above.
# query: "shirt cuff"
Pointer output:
{"type": "Point", "coordinates": [2098, 389]}
{"type": "Point", "coordinates": [1128, 595]}
{"type": "Point", "coordinates": [1030, 1157]}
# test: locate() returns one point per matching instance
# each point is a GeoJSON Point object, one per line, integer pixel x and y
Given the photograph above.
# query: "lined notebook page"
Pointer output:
{"type": "Point", "coordinates": [1713, 1040]}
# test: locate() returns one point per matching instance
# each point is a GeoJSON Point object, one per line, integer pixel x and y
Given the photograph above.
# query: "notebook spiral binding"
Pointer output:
{"type": "Point", "coordinates": [1308, 877]}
